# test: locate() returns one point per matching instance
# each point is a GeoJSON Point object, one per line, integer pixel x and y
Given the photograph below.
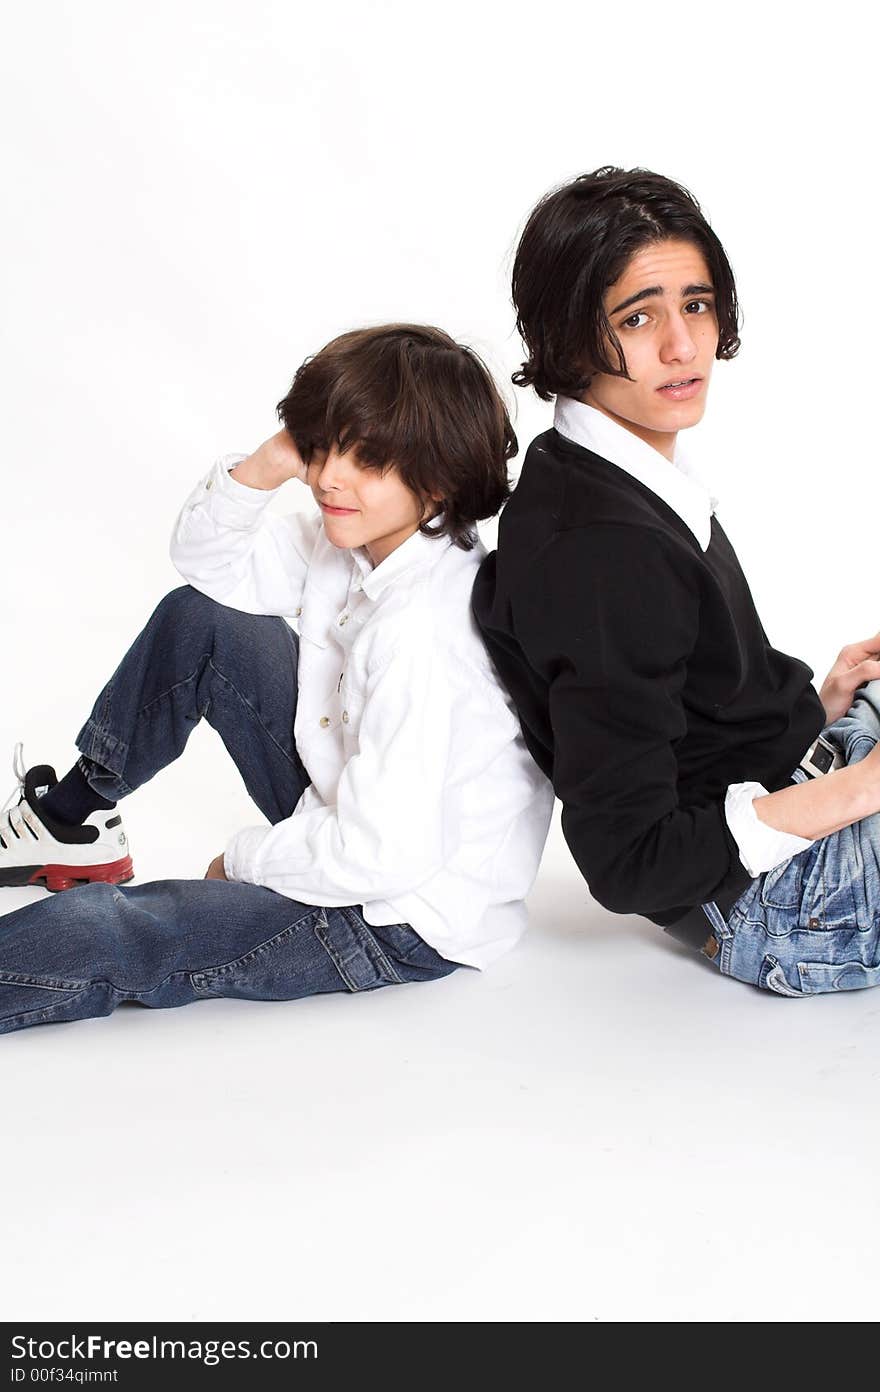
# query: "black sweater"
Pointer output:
{"type": "Point", "coordinates": [644, 681]}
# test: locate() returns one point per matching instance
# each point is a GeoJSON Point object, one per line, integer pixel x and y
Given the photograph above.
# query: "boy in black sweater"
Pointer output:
{"type": "Point", "coordinates": [704, 782]}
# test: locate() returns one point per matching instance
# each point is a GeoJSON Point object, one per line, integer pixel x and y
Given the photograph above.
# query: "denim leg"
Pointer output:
{"type": "Point", "coordinates": [812, 924]}
{"type": "Point", "coordinates": [196, 658]}
{"type": "Point", "coordinates": [172, 942]}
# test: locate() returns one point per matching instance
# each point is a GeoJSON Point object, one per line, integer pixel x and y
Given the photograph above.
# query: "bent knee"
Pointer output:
{"type": "Point", "coordinates": [186, 608]}
{"type": "Point", "coordinates": [187, 611]}
{"type": "Point", "coordinates": [186, 600]}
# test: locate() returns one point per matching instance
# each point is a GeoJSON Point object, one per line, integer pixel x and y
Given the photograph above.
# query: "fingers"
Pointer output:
{"type": "Point", "coordinates": [868, 669]}
{"type": "Point", "coordinates": [857, 652]}
{"type": "Point", "coordinates": [841, 685]}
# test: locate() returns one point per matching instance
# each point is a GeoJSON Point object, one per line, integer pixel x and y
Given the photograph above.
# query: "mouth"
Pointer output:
{"type": "Point", "coordinates": [682, 389]}
{"type": "Point", "coordinates": [337, 511]}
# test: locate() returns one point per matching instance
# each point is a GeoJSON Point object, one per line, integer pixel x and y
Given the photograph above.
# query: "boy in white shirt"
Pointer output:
{"type": "Point", "coordinates": [407, 818]}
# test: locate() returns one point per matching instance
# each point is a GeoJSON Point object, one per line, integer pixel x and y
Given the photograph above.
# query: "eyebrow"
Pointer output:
{"type": "Point", "coordinates": [658, 290]}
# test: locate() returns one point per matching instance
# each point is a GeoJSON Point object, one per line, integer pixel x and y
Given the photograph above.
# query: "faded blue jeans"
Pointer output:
{"type": "Point", "coordinates": [171, 942]}
{"type": "Point", "coordinates": [813, 923]}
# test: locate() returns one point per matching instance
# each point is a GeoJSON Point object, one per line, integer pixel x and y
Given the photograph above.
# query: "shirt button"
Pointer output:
{"type": "Point", "coordinates": [297, 613]}
{"type": "Point", "coordinates": [343, 619]}
{"type": "Point", "coordinates": [324, 722]}
{"type": "Point", "coordinates": [210, 483]}
{"type": "Point", "coordinates": [345, 717]}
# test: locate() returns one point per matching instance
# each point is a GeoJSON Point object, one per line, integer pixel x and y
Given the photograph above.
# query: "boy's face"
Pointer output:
{"type": "Point", "coordinates": [361, 507]}
{"type": "Point", "coordinates": [662, 309]}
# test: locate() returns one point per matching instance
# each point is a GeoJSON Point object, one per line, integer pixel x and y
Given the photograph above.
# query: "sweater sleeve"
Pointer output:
{"type": "Point", "coordinates": [610, 620]}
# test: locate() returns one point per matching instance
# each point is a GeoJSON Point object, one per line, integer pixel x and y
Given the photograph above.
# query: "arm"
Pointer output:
{"type": "Point", "coordinates": [228, 546]}
{"type": "Point", "coordinates": [825, 805]}
{"type": "Point", "coordinates": [385, 833]}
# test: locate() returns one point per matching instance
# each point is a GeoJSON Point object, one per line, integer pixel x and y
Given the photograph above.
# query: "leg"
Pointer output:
{"type": "Point", "coordinates": [173, 942]}
{"type": "Point", "coordinates": [197, 658]}
{"type": "Point", "coordinates": [812, 924]}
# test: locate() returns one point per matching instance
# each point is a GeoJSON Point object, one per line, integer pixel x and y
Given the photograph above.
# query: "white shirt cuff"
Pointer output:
{"type": "Point", "coordinates": [233, 504]}
{"type": "Point", "coordinates": [761, 847]}
{"type": "Point", "coordinates": [240, 856]}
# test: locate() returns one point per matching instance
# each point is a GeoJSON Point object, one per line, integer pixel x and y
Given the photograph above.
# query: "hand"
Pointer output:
{"type": "Point", "coordinates": [856, 665]}
{"type": "Point", "coordinates": [216, 870]}
{"type": "Point", "coordinates": [276, 461]}
{"type": "Point", "coordinates": [281, 452]}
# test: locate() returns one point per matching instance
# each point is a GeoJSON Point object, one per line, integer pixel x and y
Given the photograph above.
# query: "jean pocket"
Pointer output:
{"type": "Point", "coordinates": [836, 976]}
{"type": "Point", "coordinates": [325, 950]}
{"type": "Point", "coordinates": [782, 887]}
{"type": "Point", "coordinates": [288, 965]}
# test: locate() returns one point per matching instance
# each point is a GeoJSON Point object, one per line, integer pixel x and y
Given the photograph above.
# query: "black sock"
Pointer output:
{"type": "Point", "coordinates": [72, 800]}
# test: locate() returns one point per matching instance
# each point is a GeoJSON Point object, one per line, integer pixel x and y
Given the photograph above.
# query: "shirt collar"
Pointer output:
{"type": "Point", "coordinates": [677, 482]}
{"type": "Point", "coordinates": [417, 552]}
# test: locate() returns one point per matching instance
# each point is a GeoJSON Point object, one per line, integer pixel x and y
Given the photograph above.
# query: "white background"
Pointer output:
{"type": "Point", "coordinates": [197, 195]}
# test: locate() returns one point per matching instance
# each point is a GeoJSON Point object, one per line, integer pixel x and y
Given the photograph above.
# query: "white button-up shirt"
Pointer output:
{"type": "Point", "coordinates": [680, 486]}
{"type": "Point", "coordinates": [424, 805]}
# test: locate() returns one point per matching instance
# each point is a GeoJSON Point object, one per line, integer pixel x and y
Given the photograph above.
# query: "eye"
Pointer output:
{"type": "Point", "coordinates": [630, 323]}
{"type": "Point", "coordinates": [698, 306]}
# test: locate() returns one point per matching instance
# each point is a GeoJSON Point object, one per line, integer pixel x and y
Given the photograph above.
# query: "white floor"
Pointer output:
{"type": "Point", "coordinates": [600, 1128]}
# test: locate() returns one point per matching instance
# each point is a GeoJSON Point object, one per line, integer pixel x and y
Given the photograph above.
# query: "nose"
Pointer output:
{"type": "Point", "coordinates": [678, 344]}
{"type": "Point", "coordinates": [332, 474]}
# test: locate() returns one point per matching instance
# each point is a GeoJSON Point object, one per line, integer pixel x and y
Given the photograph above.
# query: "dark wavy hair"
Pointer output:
{"type": "Point", "coordinates": [576, 243]}
{"type": "Point", "coordinates": [407, 396]}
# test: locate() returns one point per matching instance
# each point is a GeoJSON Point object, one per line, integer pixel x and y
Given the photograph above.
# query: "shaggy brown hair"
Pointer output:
{"type": "Point", "coordinates": [407, 396]}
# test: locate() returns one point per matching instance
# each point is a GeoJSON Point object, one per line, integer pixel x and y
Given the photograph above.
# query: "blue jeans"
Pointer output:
{"type": "Point", "coordinates": [171, 942]}
{"type": "Point", "coordinates": [813, 923]}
